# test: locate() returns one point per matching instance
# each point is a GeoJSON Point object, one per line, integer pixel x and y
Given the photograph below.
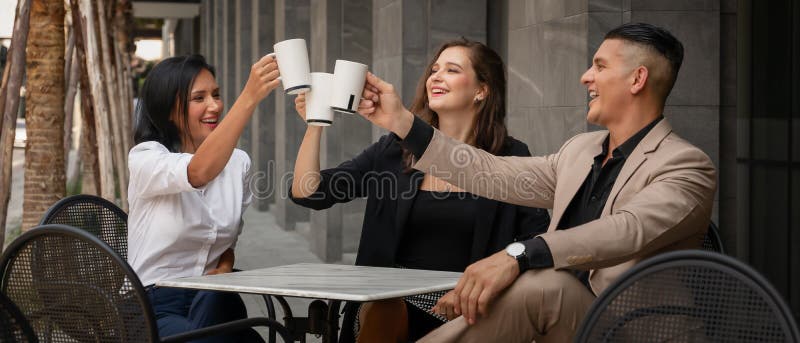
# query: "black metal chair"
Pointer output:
{"type": "Point", "coordinates": [689, 296]}
{"type": "Point", "coordinates": [72, 287]}
{"type": "Point", "coordinates": [108, 222]}
{"type": "Point", "coordinates": [13, 326]}
{"type": "Point", "coordinates": [712, 240]}
{"type": "Point", "coordinates": [94, 214]}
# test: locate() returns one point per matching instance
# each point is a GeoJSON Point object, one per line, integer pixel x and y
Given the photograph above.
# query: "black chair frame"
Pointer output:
{"type": "Point", "coordinates": [138, 290]}
{"type": "Point", "coordinates": [678, 258]}
{"type": "Point", "coordinates": [8, 308]}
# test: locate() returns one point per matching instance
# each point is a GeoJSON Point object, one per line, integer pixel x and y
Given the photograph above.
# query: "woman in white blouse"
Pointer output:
{"type": "Point", "coordinates": [188, 189]}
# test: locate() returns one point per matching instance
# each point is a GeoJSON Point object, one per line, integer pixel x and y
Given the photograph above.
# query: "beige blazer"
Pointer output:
{"type": "Point", "coordinates": [661, 200]}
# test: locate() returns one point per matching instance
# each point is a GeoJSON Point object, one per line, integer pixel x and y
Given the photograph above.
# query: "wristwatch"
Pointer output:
{"type": "Point", "coordinates": [517, 251]}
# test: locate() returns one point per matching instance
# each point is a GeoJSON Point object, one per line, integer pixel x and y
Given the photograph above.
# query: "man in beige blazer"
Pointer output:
{"type": "Point", "coordinates": [618, 196]}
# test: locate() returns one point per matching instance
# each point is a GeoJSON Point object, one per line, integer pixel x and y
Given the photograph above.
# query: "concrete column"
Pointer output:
{"type": "Point", "coordinates": [339, 31]}
{"type": "Point", "coordinates": [206, 27]}
{"type": "Point", "coordinates": [168, 37]}
{"type": "Point", "coordinates": [291, 21]}
{"type": "Point", "coordinates": [407, 33]}
{"type": "Point", "coordinates": [184, 37]}
{"type": "Point", "coordinates": [219, 45]}
{"type": "Point", "coordinates": [242, 50]}
{"type": "Point", "coordinates": [230, 89]}
{"type": "Point", "coordinates": [262, 125]}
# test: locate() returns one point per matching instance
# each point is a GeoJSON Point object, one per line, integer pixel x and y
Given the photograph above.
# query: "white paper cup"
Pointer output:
{"type": "Point", "coordinates": [348, 84]}
{"type": "Point", "coordinates": [318, 109]}
{"type": "Point", "coordinates": [292, 56]}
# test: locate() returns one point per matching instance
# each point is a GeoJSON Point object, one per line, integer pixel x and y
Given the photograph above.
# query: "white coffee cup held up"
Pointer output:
{"type": "Point", "coordinates": [292, 56]}
{"type": "Point", "coordinates": [348, 84]}
{"type": "Point", "coordinates": [318, 110]}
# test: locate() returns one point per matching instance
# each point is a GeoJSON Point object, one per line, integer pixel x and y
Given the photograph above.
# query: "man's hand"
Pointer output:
{"type": "Point", "coordinates": [384, 108]}
{"type": "Point", "coordinates": [446, 306]}
{"type": "Point", "coordinates": [482, 282]}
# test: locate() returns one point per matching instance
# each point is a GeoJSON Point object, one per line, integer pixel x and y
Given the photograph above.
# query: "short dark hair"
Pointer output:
{"type": "Point", "coordinates": [655, 38]}
{"type": "Point", "coordinates": [168, 83]}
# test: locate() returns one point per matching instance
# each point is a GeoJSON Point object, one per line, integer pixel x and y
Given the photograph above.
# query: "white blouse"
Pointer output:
{"type": "Point", "coordinates": [174, 229]}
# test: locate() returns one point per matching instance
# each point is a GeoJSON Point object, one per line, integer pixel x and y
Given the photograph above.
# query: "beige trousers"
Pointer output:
{"type": "Point", "coordinates": [543, 305]}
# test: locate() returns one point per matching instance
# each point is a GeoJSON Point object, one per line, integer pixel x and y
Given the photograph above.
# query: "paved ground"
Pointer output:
{"type": "Point", "coordinates": [261, 245]}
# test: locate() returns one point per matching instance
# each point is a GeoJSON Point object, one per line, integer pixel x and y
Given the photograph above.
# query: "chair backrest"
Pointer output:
{"type": "Point", "coordinates": [71, 286]}
{"type": "Point", "coordinates": [13, 326]}
{"type": "Point", "coordinates": [712, 240]}
{"type": "Point", "coordinates": [94, 214]}
{"type": "Point", "coordinates": [689, 296]}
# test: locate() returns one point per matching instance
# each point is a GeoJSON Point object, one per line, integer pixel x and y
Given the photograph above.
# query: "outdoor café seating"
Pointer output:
{"type": "Point", "coordinates": [689, 296]}
{"type": "Point", "coordinates": [94, 214]}
{"type": "Point", "coordinates": [71, 286]}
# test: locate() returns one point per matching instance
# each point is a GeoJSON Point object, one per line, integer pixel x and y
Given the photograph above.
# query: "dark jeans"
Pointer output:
{"type": "Point", "coordinates": [181, 310]}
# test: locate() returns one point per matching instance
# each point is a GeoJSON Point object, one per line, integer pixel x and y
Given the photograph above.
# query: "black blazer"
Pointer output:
{"type": "Point", "coordinates": [377, 173]}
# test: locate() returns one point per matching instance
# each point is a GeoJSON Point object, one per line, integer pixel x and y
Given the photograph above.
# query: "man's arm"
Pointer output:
{"type": "Point", "coordinates": [526, 181]}
{"type": "Point", "coordinates": [672, 207]}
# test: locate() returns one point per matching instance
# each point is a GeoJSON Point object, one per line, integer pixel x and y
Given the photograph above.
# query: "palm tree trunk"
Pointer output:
{"type": "Point", "coordinates": [99, 99]}
{"type": "Point", "coordinates": [44, 111]}
{"type": "Point", "coordinates": [119, 154]}
{"type": "Point", "coordinates": [70, 86]}
{"type": "Point", "coordinates": [90, 170]}
{"type": "Point", "coordinates": [9, 93]}
{"type": "Point", "coordinates": [123, 28]}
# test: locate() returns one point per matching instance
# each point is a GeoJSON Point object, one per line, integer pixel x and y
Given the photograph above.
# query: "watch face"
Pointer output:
{"type": "Point", "coordinates": [515, 249]}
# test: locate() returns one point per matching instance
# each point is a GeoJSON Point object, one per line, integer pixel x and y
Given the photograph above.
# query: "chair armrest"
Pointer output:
{"type": "Point", "coordinates": [228, 327]}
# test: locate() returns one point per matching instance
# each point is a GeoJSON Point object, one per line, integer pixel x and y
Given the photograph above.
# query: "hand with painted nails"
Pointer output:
{"type": "Point", "coordinates": [384, 108]}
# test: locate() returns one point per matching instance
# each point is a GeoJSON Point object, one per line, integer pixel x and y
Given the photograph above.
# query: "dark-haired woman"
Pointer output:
{"type": "Point", "coordinates": [413, 220]}
{"type": "Point", "coordinates": [188, 189]}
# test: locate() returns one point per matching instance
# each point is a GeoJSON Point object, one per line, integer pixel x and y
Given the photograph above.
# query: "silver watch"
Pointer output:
{"type": "Point", "coordinates": [517, 251]}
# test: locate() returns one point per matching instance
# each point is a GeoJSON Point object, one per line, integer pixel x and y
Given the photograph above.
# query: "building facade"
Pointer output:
{"type": "Point", "coordinates": [736, 96]}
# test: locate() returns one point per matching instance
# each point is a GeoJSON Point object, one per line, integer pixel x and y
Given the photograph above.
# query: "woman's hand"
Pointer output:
{"type": "Point", "coordinates": [263, 79]}
{"type": "Point", "coordinates": [384, 108]}
{"type": "Point", "coordinates": [300, 105]}
{"type": "Point", "coordinates": [225, 264]}
{"type": "Point", "coordinates": [445, 307]}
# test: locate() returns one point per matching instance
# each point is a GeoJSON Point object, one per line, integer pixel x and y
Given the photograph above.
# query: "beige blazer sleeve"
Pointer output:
{"type": "Point", "coordinates": [667, 204]}
{"type": "Point", "coordinates": [525, 181]}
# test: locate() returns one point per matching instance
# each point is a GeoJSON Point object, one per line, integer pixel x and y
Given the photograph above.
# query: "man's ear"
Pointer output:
{"type": "Point", "coordinates": [640, 75]}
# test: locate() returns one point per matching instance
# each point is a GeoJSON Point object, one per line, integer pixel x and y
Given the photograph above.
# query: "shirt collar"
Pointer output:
{"type": "Point", "coordinates": [626, 149]}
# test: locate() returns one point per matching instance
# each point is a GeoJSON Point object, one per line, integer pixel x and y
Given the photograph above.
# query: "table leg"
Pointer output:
{"type": "Point", "coordinates": [332, 330]}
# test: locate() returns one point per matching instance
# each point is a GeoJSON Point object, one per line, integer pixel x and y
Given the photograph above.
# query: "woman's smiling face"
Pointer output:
{"type": "Point", "coordinates": [452, 84]}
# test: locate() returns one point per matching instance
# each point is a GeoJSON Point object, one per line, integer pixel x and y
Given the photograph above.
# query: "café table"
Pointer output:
{"type": "Point", "coordinates": [332, 282]}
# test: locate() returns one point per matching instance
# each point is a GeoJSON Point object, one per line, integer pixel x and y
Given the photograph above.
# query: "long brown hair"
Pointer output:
{"type": "Point", "coordinates": [489, 130]}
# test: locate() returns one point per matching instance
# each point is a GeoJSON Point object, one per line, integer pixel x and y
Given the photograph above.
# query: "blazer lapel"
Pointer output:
{"type": "Point", "coordinates": [573, 178]}
{"type": "Point", "coordinates": [484, 226]}
{"type": "Point", "coordinates": [648, 144]}
{"type": "Point", "coordinates": [408, 186]}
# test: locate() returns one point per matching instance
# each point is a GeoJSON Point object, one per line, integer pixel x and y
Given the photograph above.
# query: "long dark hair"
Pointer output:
{"type": "Point", "coordinates": [489, 130]}
{"type": "Point", "coordinates": [167, 84]}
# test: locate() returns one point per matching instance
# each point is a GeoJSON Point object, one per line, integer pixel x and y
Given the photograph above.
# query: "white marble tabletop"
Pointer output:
{"type": "Point", "coordinates": [324, 281]}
